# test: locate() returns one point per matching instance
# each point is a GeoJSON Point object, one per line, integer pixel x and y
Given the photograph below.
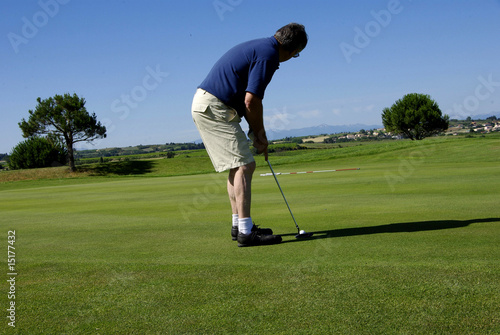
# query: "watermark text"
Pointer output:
{"type": "Point", "coordinates": [31, 27]}
{"type": "Point", "coordinates": [11, 275]}
{"type": "Point", "coordinates": [363, 36]}
{"type": "Point", "coordinates": [223, 6]}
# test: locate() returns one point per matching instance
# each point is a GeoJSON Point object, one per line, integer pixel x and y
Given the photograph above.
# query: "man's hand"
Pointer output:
{"type": "Point", "coordinates": [260, 143]}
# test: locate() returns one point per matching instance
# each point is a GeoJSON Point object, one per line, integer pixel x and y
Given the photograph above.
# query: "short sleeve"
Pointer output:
{"type": "Point", "coordinates": [260, 74]}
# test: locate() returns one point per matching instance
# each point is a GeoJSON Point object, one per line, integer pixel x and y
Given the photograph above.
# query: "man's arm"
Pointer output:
{"type": "Point", "coordinates": [255, 119]}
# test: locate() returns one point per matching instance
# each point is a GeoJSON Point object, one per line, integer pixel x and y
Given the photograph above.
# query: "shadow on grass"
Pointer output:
{"type": "Point", "coordinates": [406, 227]}
{"type": "Point", "coordinates": [119, 168]}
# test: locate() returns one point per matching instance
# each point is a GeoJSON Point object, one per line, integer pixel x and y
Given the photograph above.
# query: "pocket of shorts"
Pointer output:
{"type": "Point", "coordinates": [225, 114]}
{"type": "Point", "coordinates": [199, 108]}
{"type": "Point", "coordinates": [233, 116]}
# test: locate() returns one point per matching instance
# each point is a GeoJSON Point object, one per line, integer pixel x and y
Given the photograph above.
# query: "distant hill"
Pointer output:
{"type": "Point", "coordinates": [318, 130]}
{"type": "Point", "coordinates": [313, 131]}
{"type": "Point", "coordinates": [328, 129]}
{"type": "Point", "coordinates": [484, 116]}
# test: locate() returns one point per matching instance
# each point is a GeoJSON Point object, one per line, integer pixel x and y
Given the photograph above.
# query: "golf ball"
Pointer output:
{"type": "Point", "coordinates": [302, 232]}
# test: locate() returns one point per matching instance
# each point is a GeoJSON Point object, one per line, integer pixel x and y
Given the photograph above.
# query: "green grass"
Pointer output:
{"type": "Point", "coordinates": [408, 244]}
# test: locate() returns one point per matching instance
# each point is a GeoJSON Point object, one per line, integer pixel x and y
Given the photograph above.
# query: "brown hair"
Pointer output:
{"type": "Point", "coordinates": [292, 37]}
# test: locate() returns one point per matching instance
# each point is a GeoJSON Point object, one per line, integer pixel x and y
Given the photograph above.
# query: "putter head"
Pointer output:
{"type": "Point", "coordinates": [304, 235]}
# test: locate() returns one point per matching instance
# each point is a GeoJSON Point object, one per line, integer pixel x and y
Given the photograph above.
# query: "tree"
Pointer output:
{"type": "Point", "coordinates": [37, 152]}
{"type": "Point", "coordinates": [416, 116]}
{"type": "Point", "coordinates": [65, 117]}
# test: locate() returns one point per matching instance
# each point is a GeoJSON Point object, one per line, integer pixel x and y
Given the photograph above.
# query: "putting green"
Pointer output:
{"type": "Point", "coordinates": [406, 244]}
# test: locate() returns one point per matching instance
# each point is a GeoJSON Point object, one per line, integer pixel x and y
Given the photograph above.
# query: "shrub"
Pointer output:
{"type": "Point", "coordinates": [37, 152]}
{"type": "Point", "coordinates": [415, 116]}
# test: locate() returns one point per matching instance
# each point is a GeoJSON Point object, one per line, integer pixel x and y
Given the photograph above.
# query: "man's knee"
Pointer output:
{"type": "Point", "coordinates": [248, 168]}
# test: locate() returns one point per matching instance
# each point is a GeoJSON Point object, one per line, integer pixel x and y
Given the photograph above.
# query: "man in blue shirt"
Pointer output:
{"type": "Point", "coordinates": [233, 90]}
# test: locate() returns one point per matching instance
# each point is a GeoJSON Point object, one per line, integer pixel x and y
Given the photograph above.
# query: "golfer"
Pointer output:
{"type": "Point", "coordinates": [233, 90]}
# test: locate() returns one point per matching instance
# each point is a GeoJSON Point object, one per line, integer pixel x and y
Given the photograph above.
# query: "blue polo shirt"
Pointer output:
{"type": "Point", "coordinates": [247, 67]}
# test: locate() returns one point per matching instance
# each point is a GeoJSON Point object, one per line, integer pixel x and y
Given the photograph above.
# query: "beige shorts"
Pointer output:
{"type": "Point", "coordinates": [220, 130]}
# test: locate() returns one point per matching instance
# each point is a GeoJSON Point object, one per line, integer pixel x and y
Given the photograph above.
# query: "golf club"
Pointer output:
{"type": "Point", "coordinates": [301, 233]}
{"type": "Point", "coordinates": [303, 172]}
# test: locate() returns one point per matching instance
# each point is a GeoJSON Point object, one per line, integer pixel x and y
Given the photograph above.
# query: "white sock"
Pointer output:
{"type": "Point", "coordinates": [245, 225]}
{"type": "Point", "coordinates": [235, 220]}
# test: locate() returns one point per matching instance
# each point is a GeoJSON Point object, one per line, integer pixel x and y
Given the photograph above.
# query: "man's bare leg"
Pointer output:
{"type": "Point", "coordinates": [239, 189]}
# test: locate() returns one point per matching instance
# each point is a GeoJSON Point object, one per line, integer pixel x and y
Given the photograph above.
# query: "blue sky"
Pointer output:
{"type": "Point", "coordinates": [138, 63]}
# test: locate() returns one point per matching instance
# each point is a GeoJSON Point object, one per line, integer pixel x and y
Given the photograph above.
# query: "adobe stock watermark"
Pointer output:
{"type": "Point", "coordinates": [408, 165]}
{"type": "Point", "coordinates": [311, 266]}
{"type": "Point", "coordinates": [277, 120]}
{"type": "Point", "coordinates": [483, 91]}
{"type": "Point", "coordinates": [131, 100]}
{"type": "Point", "coordinates": [202, 197]}
{"type": "Point", "coordinates": [31, 27]}
{"type": "Point", "coordinates": [139, 93]}
{"type": "Point", "coordinates": [223, 6]}
{"type": "Point", "coordinates": [12, 275]}
{"type": "Point", "coordinates": [372, 29]}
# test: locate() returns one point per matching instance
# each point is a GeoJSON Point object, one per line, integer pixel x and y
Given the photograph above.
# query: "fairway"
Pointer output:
{"type": "Point", "coordinates": [407, 244]}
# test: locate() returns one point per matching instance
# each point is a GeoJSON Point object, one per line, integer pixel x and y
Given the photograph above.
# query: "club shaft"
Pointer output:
{"type": "Point", "coordinates": [304, 172]}
{"type": "Point", "coordinates": [284, 198]}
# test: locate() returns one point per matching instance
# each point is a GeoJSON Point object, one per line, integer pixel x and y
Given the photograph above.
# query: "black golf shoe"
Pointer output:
{"type": "Point", "coordinates": [254, 239]}
{"type": "Point", "coordinates": [262, 231]}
